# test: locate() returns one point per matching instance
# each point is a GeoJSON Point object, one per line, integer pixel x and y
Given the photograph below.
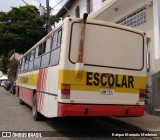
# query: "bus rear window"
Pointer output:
{"type": "Point", "coordinates": [106, 46]}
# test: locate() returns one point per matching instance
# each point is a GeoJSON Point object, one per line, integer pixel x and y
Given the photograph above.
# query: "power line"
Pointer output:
{"type": "Point", "coordinates": [30, 8]}
{"type": "Point", "coordinates": [55, 10]}
{"type": "Point", "coordinates": [57, 4]}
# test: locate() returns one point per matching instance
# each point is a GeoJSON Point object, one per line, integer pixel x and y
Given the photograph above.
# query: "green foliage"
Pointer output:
{"type": "Point", "coordinates": [3, 64]}
{"type": "Point", "coordinates": [12, 69]}
{"type": "Point", "coordinates": [20, 29]}
{"type": "Point", "coordinates": [54, 19]}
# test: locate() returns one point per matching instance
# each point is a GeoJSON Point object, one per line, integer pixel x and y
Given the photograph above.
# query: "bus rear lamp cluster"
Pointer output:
{"type": "Point", "coordinates": [141, 95]}
{"type": "Point", "coordinates": [65, 91]}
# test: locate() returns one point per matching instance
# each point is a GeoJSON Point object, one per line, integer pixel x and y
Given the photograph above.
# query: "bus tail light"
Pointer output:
{"type": "Point", "coordinates": [65, 91]}
{"type": "Point", "coordinates": [141, 95]}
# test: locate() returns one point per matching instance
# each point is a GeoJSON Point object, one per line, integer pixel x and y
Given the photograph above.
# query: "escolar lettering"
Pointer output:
{"type": "Point", "coordinates": [96, 79]}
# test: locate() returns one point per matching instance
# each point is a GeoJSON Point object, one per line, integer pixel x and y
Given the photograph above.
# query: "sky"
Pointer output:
{"type": "Point", "coordinates": [6, 5]}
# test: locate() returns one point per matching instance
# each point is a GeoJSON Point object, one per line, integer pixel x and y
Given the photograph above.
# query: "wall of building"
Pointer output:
{"type": "Point", "coordinates": [152, 29]}
{"type": "Point", "coordinates": [122, 8]}
{"type": "Point", "coordinates": [148, 28]}
{"type": "Point", "coordinates": [156, 5]}
{"type": "Point", "coordinates": [83, 7]}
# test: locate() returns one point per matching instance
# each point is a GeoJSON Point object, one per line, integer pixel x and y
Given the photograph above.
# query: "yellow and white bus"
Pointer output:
{"type": "Point", "coordinates": [85, 68]}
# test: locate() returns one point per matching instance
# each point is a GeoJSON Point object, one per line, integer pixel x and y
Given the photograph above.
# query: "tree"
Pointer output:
{"type": "Point", "coordinates": [3, 64]}
{"type": "Point", "coordinates": [20, 29]}
{"type": "Point", "coordinates": [12, 68]}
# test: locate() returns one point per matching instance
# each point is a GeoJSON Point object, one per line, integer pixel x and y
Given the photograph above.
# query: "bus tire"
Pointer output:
{"type": "Point", "coordinates": [36, 115]}
{"type": "Point", "coordinates": [21, 102]}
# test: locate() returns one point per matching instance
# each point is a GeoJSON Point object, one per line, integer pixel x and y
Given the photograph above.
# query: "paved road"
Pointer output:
{"type": "Point", "coordinates": [15, 117]}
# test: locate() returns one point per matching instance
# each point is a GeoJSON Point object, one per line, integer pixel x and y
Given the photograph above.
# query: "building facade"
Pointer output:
{"type": "Point", "coordinates": [140, 14]}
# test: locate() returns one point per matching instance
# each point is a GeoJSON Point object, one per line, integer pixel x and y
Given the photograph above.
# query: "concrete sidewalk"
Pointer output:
{"type": "Point", "coordinates": [147, 122]}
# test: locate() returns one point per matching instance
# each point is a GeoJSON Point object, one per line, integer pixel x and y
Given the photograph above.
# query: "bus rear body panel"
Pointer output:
{"type": "Point", "coordinates": [113, 76]}
{"type": "Point", "coordinates": [119, 95]}
{"type": "Point", "coordinates": [99, 110]}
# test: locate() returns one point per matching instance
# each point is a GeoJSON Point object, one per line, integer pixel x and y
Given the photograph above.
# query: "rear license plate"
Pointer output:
{"type": "Point", "coordinates": [107, 91]}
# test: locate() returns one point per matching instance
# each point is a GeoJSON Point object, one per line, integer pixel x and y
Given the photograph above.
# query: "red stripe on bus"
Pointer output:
{"type": "Point", "coordinates": [42, 88]}
{"type": "Point", "coordinates": [99, 110]}
{"type": "Point", "coordinates": [26, 94]}
{"type": "Point", "coordinates": [41, 85]}
{"type": "Point", "coordinates": [39, 88]}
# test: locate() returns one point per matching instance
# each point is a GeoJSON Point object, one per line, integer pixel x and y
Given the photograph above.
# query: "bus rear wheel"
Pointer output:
{"type": "Point", "coordinates": [21, 102]}
{"type": "Point", "coordinates": [36, 115]}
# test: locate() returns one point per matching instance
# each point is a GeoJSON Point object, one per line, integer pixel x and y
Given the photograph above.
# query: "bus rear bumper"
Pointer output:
{"type": "Point", "coordinates": [99, 110]}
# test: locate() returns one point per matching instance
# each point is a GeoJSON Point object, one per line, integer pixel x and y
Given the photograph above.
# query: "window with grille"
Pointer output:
{"type": "Point", "coordinates": [89, 6]}
{"type": "Point", "coordinates": [77, 11]}
{"type": "Point", "coordinates": [135, 19]}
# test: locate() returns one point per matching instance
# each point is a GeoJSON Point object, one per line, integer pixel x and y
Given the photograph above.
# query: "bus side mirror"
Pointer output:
{"type": "Point", "coordinates": [79, 70]}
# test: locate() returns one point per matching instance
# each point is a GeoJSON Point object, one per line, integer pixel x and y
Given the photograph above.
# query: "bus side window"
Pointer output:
{"type": "Point", "coordinates": [46, 57]}
{"type": "Point", "coordinates": [54, 44]}
{"type": "Point", "coordinates": [22, 65]}
{"type": "Point", "coordinates": [55, 56]}
{"type": "Point", "coordinates": [45, 60]}
{"type": "Point", "coordinates": [36, 53]}
{"type": "Point", "coordinates": [32, 56]}
{"type": "Point", "coordinates": [26, 62]}
{"type": "Point", "coordinates": [42, 48]}
{"type": "Point", "coordinates": [28, 56]}
{"type": "Point", "coordinates": [37, 59]}
{"type": "Point", "coordinates": [55, 53]}
{"type": "Point", "coordinates": [59, 38]}
{"type": "Point", "coordinates": [19, 66]}
{"type": "Point", "coordinates": [37, 63]}
{"type": "Point", "coordinates": [48, 45]}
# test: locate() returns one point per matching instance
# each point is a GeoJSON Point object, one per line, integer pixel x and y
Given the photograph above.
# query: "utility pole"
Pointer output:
{"type": "Point", "coordinates": [48, 23]}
